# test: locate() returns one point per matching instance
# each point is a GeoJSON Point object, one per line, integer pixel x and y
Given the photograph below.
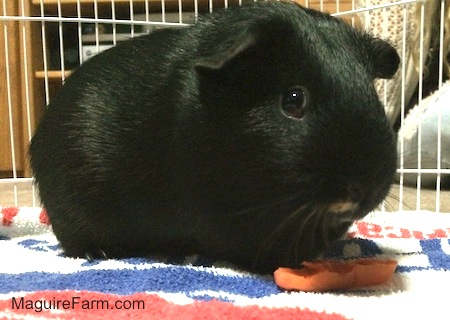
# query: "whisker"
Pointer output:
{"type": "Point", "coordinates": [264, 206]}
{"type": "Point", "coordinates": [393, 206]}
{"type": "Point", "coordinates": [326, 226]}
{"type": "Point", "coordinates": [315, 215]}
{"type": "Point", "coordinates": [265, 246]}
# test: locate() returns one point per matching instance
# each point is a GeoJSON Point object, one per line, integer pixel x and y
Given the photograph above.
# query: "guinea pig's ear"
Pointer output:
{"type": "Point", "coordinates": [243, 44]}
{"type": "Point", "coordinates": [385, 59]}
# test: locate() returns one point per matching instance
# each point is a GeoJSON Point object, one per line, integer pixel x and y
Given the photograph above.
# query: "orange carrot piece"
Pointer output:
{"type": "Point", "coordinates": [325, 275]}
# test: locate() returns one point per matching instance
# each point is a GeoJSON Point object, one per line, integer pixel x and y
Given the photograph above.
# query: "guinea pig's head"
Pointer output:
{"type": "Point", "coordinates": [298, 136]}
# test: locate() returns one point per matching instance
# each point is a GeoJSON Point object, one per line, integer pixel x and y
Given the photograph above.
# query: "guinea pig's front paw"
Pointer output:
{"type": "Point", "coordinates": [91, 256]}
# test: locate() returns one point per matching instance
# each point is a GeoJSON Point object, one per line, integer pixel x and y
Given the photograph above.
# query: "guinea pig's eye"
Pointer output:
{"type": "Point", "coordinates": [294, 102]}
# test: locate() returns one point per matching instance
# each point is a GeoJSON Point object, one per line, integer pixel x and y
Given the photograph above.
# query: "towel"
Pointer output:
{"type": "Point", "coordinates": [37, 281]}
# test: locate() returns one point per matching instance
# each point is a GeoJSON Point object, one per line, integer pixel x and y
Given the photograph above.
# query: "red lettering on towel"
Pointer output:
{"type": "Point", "coordinates": [8, 215]}
{"type": "Point", "coordinates": [375, 231]}
{"type": "Point", "coordinates": [438, 233]}
{"type": "Point", "coordinates": [404, 233]}
{"type": "Point", "coordinates": [369, 230]}
{"type": "Point", "coordinates": [43, 217]}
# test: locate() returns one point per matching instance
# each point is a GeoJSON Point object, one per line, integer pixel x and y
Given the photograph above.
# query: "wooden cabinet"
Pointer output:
{"type": "Point", "coordinates": [20, 94]}
{"type": "Point", "coordinates": [27, 83]}
{"type": "Point", "coordinates": [9, 89]}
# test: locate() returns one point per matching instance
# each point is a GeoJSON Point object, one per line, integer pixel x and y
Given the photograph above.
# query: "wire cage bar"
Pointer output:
{"type": "Point", "coordinates": [42, 41]}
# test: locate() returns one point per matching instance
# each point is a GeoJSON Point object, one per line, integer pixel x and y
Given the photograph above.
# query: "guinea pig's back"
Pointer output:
{"type": "Point", "coordinates": [95, 137]}
{"type": "Point", "coordinates": [110, 101]}
{"type": "Point", "coordinates": [103, 143]}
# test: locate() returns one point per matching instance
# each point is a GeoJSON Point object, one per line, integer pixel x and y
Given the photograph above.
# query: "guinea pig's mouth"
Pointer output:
{"type": "Point", "coordinates": [306, 231]}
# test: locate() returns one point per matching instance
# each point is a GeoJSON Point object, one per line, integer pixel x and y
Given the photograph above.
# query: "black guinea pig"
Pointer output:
{"type": "Point", "coordinates": [254, 136]}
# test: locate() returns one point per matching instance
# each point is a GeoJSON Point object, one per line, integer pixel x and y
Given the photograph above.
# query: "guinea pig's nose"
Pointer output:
{"type": "Point", "coordinates": [355, 192]}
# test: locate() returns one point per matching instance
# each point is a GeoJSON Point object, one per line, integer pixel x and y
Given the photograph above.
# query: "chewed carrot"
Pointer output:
{"type": "Point", "coordinates": [325, 275]}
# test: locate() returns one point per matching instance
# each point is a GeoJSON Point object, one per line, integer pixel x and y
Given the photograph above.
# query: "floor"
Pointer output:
{"type": "Point", "coordinates": [22, 194]}
{"type": "Point", "coordinates": [427, 199]}
{"type": "Point", "coordinates": [406, 195]}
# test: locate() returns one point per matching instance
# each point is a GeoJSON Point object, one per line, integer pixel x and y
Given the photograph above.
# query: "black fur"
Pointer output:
{"type": "Point", "coordinates": [176, 142]}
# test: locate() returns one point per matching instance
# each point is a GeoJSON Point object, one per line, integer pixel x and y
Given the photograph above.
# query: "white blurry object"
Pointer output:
{"type": "Point", "coordinates": [91, 50]}
{"type": "Point", "coordinates": [426, 115]}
